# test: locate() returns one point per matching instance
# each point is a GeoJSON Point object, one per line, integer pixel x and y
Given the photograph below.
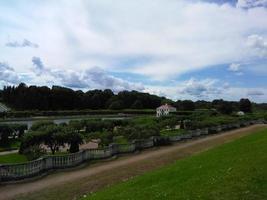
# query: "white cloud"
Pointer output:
{"type": "Point", "coordinates": [255, 93]}
{"type": "Point", "coordinates": [234, 67]}
{"type": "Point", "coordinates": [176, 36]}
{"type": "Point", "coordinates": [87, 79]}
{"type": "Point", "coordinates": [258, 44]}
{"type": "Point", "coordinates": [201, 88]}
{"type": "Point", "coordinates": [7, 75]}
{"type": "Point", "coordinates": [24, 43]}
{"type": "Point", "coordinates": [251, 3]}
{"type": "Point", "coordinates": [208, 89]}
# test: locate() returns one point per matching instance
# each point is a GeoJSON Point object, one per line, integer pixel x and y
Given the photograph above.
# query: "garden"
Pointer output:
{"type": "Point", "coordinates": [48, 138]}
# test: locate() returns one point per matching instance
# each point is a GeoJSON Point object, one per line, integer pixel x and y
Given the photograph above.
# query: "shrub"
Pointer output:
{"type": "Point", "coordinates": [161, 141]}
{"type": "Point", "coordinates": [41, 124]}
{"type": "Point", "coordinates": [34, 152]}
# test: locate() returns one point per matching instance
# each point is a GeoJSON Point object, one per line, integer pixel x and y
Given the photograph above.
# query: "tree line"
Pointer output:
{"type": "Point", "coordinates": [42, 98]}
{"type": "Point", "coordinates": [23, 97]}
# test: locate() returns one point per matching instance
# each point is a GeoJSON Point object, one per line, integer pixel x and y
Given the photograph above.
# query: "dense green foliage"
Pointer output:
{"type": "Point", "coordinates": [245, 105]}
{"type": "Point", "coordinates": [237, 170]}
{"type": "Point", "coordinates": [212, 118]}
{"type": "Point", "coordinates": [23, 97]}
{"type": "Point", "coordinates": [51, 135]}
{"type": "Point", "coordinates": [186, 105]}
{"type": "Point", "coordinates": [10, 133]}
{"type": "Point", "coordinates": [129, 129]}
{"type": "Point", "coordinates": [57, 100]}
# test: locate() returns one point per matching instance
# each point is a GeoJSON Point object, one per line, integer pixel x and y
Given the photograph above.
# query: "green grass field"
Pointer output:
{"type": "Point", "coordinates": [12, 158]}
{"type": "Point", "coordinates": [234, 171]}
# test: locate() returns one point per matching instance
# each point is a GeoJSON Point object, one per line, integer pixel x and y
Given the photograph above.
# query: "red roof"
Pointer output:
{"type": "Point", "coordinates": [166, 106]}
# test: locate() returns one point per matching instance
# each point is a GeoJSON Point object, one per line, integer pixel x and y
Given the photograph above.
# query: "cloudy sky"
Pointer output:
{"type": "Point", "coordinates": [182, 49]}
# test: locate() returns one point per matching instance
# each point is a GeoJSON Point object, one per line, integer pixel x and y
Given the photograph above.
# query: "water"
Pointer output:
{"type": "Point", "coordinates": [57, 121]}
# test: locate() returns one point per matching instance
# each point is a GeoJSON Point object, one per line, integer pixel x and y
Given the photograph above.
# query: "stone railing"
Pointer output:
{"type": "Point", "coordinates": [13, 172]}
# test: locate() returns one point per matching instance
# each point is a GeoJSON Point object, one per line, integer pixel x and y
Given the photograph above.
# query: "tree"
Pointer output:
{"type": "Point", "coordinates": [73, 138]}
{"type": "Point", "coordinates": [50, 135]}
{"type": "Point", "coordinates": [77, 124]}
{"type": "Point", "coordinates": [139, 131]}
{"type": "Point", "coordinates": [245, 105]}
{"type": "Point", "coordinates": [116, 105]}
{"type": "Point", "coordinates": [25, 97]}
{"type": "Point", "coordinates": [225, 107]}
{"type": "Point", "coordinates": [5, 132]}
{"type": "Point", "coordinates": [41, 124]}
{"type": "Point", "coordinates": [137, 105]}
{"type": "Point", "coordinates": [187, 105]}
{"type": "Point", "coordinates": [53, 137]}
{"type": "Point", "coordinates": [32, 138]}
{"type": "Point", "coordinates": [18, 129]}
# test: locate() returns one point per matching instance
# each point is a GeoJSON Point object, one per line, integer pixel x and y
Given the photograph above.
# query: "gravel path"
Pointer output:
{"type": "Point", "coordinates": [72, 184]}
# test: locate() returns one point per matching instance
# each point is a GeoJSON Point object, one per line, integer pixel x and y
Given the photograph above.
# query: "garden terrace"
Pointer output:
{"type": "Point", "coordinates": [12, 172]}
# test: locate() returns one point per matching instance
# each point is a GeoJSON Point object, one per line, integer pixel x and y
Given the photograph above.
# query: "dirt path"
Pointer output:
{"type": "Point", "coordinates": [72, 184]}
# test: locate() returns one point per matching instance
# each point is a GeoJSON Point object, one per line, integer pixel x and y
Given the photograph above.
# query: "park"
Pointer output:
{"type": "Point", "coordinates": [133, 100]}
{"type": "Point", "coordinates": [39, 149]}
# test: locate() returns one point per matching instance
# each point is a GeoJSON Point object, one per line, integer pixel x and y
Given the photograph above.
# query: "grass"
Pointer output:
{"type": "Point", "coordinates": [12, 158]}
{"type": "Point", "coordinates": [13, 144]}
{"type": "Point", "coordinates": [144, 120]}
{"type": "Point", "coordinates": [19, 158]}
{"type": "Point", "coordinates": [233, 171]}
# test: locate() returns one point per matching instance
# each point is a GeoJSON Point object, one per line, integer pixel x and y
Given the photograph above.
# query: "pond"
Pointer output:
{"type": "Point", "coordinates": [29, 122]}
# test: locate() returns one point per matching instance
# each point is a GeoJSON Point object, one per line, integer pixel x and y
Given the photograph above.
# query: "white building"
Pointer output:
{"type": "Point", "coordinates": [165, 110]}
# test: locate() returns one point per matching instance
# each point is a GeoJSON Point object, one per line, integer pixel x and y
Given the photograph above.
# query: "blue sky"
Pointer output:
{"type": "Point", "coordinates": [182, 49]}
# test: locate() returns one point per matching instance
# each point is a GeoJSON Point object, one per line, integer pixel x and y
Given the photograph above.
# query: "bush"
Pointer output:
{"type": "Point", "coordinates": [34, 152]}
{"type": "Point", "coordinates": [41, 124]}
{"type": "Point", "coordinates": [139, 132]}
{"type": "Point", "coordinates": [162, 141]}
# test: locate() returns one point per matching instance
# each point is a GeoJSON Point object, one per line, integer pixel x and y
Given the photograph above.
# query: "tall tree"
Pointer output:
{"type": "Point", "coordinates": [187, 105]}
{"type": "Point", "coordinates": [73, 138]}
{"type": "Point", "coordinates": [245, 105]}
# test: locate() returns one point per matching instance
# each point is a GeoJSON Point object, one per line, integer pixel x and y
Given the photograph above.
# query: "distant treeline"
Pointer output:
{"type": "Point", "coordinates": [23, 97]}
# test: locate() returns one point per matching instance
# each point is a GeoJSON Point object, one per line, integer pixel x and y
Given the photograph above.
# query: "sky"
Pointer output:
{"type": "Point", "coordinates": [181, 49]}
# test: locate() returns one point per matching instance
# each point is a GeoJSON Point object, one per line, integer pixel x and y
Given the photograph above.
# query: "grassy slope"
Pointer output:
{"type": "Point", "coordinates": [234, 171]}
{"type": "Point", "coordinates": [12, 158]}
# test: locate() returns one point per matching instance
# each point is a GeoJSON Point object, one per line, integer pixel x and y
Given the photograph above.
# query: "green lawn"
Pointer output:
{"type": "Point", "coordinates": [12, 158]}
{"type": "Point", "coordinates": [233, 171]}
